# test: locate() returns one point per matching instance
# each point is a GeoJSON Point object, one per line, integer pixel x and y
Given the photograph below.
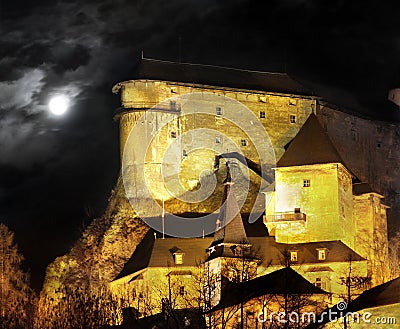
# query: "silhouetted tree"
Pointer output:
{"type": "Point", "coordinates": [16, 296]}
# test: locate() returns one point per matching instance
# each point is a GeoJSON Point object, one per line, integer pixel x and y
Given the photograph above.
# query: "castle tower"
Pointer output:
{"type": "Point", "coordinates": [313, 192]}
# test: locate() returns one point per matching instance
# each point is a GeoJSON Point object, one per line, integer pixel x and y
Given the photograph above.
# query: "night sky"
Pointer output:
{"type": "Point", "coordinates": [56, 172]}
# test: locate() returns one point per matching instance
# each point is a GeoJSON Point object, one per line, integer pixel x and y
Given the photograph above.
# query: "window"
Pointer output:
{"type": "Point", "coordinates": [292, 118]}
{"type": "Point", "coordinates": [244, 142]}
{"type": "Point", "coordinates": [181, 290]}
{"type": "Point", "coordinates": [318, 283]}
{"type": "Point", "coordinates": [238, 251]}
{"type": "Point", "coordinates": [293, 256]}
{"type": "Point", "coordinates": [172, 105]}
{"type": "Point", "coordinates": [184, 153]}
{"type": "Point", "coordinates": [306, 183]}
{"type": "Point", "coordinates": [262, 114]}
{"type": "Point", "coordinates": [218, 110]}
{"type": "Point", "coordinates": [173, 134]}
{"type": "Point", "coordinates": [217, 140]}
{"type": "Point", "coordinates": [178, 258]}
{"type": "Point", "coordinates": [321, 254]}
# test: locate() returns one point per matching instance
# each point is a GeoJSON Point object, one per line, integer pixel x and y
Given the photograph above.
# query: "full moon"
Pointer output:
{"type": "Point", "coordinates": [58, 105]}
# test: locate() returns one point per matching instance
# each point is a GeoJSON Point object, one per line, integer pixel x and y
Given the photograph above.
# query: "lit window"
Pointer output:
{"type": "Point", "coordinates": [181, 290]}
{"type": "Point", "coordinates": [321, 254]}
{"type": "Point", "coordinates": [244, 142]}
{"type": "Point", "coordinates": [178, 258]}
{"type": "Point", "coordinates": [217, 140]}
{"type": "Point", "coordinates": [306, 183]}
{"type": "Point", "coordinates": [173, 134]}
{"type": "Point", "coordinates": [238, 251]}
{"type": "Point", "coordinates": [262, 114]}
{"type": "Point", "coordinates": [293, 256]}
{"type": "Point", "coordinates": [218, 110]}
{"type": "Point", "coordinates": [292, 118]}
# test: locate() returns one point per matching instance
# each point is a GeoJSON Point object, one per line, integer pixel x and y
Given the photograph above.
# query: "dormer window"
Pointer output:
{"type": "Point", "coordinates": [178, 257]}
{"type": "Point", "coordinates": [237, 250]}
{"type": "Point", "coordinates": [293, 256]}
{"type": "Point", "coordinates": [321, 254]}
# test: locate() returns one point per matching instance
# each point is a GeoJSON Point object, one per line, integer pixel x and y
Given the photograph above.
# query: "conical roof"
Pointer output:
{"type": "Point", "coordinates": [310, 146]}
{"type": "Point", "coordinates": [232, 228]}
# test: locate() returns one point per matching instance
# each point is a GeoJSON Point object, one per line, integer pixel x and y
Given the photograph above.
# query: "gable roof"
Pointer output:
{"type": "Point", "coordinates": [310, 146]}
{"type": "Point", "coordinates": [382, 295]}
{"type": "Point", "coordinates": [153, 69]}
{"type": "Point", "coordinates": [280, 282]}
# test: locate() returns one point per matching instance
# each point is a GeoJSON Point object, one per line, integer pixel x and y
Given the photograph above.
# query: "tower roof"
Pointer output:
{"type": "Point", "coordinates": [232, 228]}
{"type": "Point", "coordinates": [310, 146]}
{"type": "Point", "coordinates": [219, 76]}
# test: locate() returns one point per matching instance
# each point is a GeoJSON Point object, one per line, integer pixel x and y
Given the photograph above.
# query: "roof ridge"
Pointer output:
{"type": "Point", "coordinates": [217, 66]}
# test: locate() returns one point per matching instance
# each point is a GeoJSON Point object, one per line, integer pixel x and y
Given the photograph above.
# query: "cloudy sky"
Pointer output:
{"type": "Point", "coordinates": [57, 172]}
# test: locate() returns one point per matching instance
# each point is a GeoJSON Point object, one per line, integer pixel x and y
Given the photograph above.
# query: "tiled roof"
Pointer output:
{"type": "Point", "coordinates": [273, 253]}
{"type": "Point", "coordinates": [280, 282]}
{"type": "Point", "coordinates": [152, 69]}
{"type": "Point", "coordinates": [157, 252]}
{"type": "Point", "coordinates": [310, 146]}
{"type": "Point", "coordinates": [232, 230]}
{"type": "Point", "coordinates": [382, 295]}
{"type": "Point", "coordinates": [362, 188]}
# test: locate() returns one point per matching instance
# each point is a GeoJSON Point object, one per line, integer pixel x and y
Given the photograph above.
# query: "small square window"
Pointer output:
{"type": "Point", "coordinates": [292, 118]}
{"type": "Point", "coordinates": [178, 259]}
{"type": "Point", "coordinates": [218, 110]}
{"type": "Point", "coordinates": [173, 134]}
{"type": "Point", "coordinates": [262, 114]}
{"type": "Point", "coordinates": [321, 254]}
{"type": "Point", "coordinates": [244, 142]}
{"type": "Point", "coordinates": [306, 183]}
{"type": "Point", "coordinates": [217, 140]}
{"type": "Point", "coordinates": [293, 256]}
{"type": "Point", "coordinates": [181, 290]}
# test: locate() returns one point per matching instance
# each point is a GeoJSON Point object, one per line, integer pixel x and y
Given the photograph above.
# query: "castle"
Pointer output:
{"type": "Point", "coordinates": [317, 215]}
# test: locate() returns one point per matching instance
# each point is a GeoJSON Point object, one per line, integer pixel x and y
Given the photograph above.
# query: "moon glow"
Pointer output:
{"type": "Point", "coordinates": [58, 105]}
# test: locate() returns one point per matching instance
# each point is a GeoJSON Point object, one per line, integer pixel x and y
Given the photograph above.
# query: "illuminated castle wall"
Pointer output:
{"type": "Point", "coordinates": [315, 199]}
